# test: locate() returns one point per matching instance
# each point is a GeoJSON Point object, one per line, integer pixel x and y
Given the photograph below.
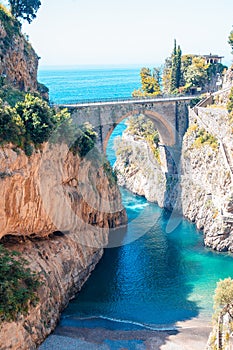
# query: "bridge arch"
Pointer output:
{"type": "Point", "coordinates": [167, 132]}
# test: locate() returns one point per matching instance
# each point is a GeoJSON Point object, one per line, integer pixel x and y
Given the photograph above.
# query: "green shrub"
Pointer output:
{"type": "Point", "coordinates": [11, 128]}
{"type": "Point", "coordinates": [10, 95]}
{"type": "Point", "coordinates": [194, 101]}
{"type": "Point", "coordinates": [18, 285]}
{"type": "Point", "coordinates": [32, 122]}
{"type": "Point", "coordinates": [204, 138]}
{"type": "Point", "coordinates": [28, 149]}
{"type": "Point", "coordinates": [144, 128]}
{"type": "Point", "coordinates": [223, 293]}
{"type": "Point", "coordinates": [37, 117]}
{"type": "Point", "coordinates": [85, 138]}
{"type": "Point", "coordinates": [11, 25]}
{"type": "Point", "coordinates": [230, 101]}
{"type": "Point", "coordinates": [111, 174]}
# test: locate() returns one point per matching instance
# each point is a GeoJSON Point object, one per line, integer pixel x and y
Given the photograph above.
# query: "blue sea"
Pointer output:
{"type": "Point", "coordinates": [161, 278]}
{"type": "Point", "coordinates": [74, 85]}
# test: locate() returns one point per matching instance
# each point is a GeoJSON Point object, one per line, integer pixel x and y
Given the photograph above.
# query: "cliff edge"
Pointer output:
{"type": "Point", "coordinates": [18, 60]}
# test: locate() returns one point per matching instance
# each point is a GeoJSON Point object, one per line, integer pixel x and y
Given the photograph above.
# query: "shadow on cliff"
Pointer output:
{"type": "Point", "coordinates": [172, 195]}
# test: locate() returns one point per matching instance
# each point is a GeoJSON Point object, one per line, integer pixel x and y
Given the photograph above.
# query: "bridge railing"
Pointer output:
{"type": "Point", "coordinates": [126, 99]}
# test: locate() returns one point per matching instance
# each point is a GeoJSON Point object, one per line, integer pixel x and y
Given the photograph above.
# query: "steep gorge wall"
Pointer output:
{"type": "Point", "coordinates": [206, 182]}
{"type": "Point", "coordinates": [18, 60]}
{"type": "Point", "coordinates": [58, 210]}
{"type": "Point", "coordinates": [202, 190]}
{"type": "Point", "coordinates": [138, 170]}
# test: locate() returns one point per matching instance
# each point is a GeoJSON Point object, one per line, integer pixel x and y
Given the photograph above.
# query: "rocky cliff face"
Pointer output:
{"type": "Point", "coordinates": [18, 60]}
{"type": "Point", "coordinates": [57, 210]}
{"type": "Point", "coordinates": [138, 170]}
{"type": "Point", "coordinates": [202, 190]}
{"type": "Point", "coordinates": [206, 186]}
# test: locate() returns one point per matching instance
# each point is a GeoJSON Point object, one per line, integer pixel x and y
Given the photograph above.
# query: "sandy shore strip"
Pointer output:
{"type": "Point", "coordinates": [190, 335]}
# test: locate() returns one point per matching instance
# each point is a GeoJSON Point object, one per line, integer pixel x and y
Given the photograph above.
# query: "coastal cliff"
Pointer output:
{"type": "Point", "coordinates": [206, 177]}
{"type": "Point", "coordinates": [18, 60]}
{"type": "Point", "coordinates": [138, 170]}
{"type": "Point", "coordinates": [203, 188]}
{"type": "Point", "coordinates": [57, 210]}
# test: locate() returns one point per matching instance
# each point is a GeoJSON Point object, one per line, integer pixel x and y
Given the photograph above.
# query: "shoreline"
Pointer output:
{"type": "Point", "coordinates": [186, 335]}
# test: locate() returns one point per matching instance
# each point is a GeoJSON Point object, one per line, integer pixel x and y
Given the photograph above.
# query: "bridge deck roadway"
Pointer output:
{"type": "Point", "coordinates": [130, 101]}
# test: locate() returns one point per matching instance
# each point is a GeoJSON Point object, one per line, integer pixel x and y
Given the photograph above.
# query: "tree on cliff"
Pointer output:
{"type": "Point", "coordinates": [175, 69]}
{"type": "Point", "coordinates": [196, 74]}
{"type": "Point", "coordinates": [230, 40]}
{"type": "Point", "coordinates": [25, 9]}
{"type": "Point", "coordinates": [223, 296]}
{"type": "Point", "coordinates": [150, 83]}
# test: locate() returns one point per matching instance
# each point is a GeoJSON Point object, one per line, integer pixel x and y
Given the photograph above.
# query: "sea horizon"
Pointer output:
{"type": "Point", "coordinates": [116, 66]}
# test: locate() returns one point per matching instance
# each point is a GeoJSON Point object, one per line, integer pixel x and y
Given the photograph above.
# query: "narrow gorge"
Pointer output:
{"type": "Point", "coordinates": [199, 186]}
{"type": "Point", "coordinates": [62, 202]}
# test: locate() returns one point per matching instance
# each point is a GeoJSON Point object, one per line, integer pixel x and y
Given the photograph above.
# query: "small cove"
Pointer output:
{"type": "Point", "coordinates": [153, 282]}
{"type": "Point", "coordinates": [161, 278]}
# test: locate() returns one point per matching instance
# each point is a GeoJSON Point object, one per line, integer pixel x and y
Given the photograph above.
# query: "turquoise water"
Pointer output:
{"type": "Point", "coordinates": [74, 85]}
{"type": "Point", "coordinates": [157, 280]}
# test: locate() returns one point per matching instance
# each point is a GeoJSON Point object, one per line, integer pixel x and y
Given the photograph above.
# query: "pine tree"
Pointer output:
{"type": "Point", "coordinates": [175, 69]}
{"type": "Point", "coordinates": [25, 9]}
{"type": "Point", "coordinates": [150, 83]}
{"type": "Point", "coordinates": [178, 66]}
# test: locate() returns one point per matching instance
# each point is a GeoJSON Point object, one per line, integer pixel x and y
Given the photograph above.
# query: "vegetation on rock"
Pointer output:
{"type": "Point", "coordinates": [150, 83]}
{"type": "Point", "coordinates": [230, 102]}
{"type": "Point", "coordinates": [175, 74]}
{"type": "Point", "coordinates": [230, 40]}
{"type": "Point", "coordinates": [84, 139]}
{"type": "Point", "coordinates": [202, 137]}
{"type": "Point", "coordinates": [187, 73]}
{"type": "Point", "coordinates": [181, 73]}
{"type": "Point", "coordinates": [144, 128]}
{"type": "Point", "coordinates": [111, 174]}
{"type": "Point", "coordinates": [18, 285]}
{"type": "Point", "coordinates": [10, 24]}
{"type": "Point", "coordinates": [33, 122]}
{"type": "Point", "coordinates": [10, 94]}
{"type": "Point", "coordinates": [223, 295]}
{"type": "Point", "coordinates": [25, 9]}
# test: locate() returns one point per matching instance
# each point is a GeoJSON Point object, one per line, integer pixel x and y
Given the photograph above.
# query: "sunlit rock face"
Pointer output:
{"type": "Point", "coordinates": [200, 186]}
{"type": "Point", "coordinates": [57, 209]}
{"type": "Point", "coordinates": [18, 60]}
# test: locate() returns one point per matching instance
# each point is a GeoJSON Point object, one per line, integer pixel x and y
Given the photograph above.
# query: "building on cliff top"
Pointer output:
{"type": "Point", "coordinates": [213, 58]}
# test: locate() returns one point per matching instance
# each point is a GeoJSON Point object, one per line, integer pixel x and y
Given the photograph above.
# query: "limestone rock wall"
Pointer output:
{"type": "Point", "coordinates": [53, 190]}
{"type": "Point", "coordinates": [207, 189]}
{"type": "Point", "coordinates": [200, 185]}
{"type": "Point", "coordinates": [18, 60]}
{"type": "Point", "coordinates": [56, 209]}
{"type": "Point", "coordinates": [138, 170]}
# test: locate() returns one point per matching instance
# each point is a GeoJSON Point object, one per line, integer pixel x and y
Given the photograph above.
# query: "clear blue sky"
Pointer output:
{"type": "Point", "coordinates": [100, 32]}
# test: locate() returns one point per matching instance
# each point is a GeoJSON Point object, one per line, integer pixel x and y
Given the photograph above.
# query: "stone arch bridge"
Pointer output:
{"type": "Point", "coordinates": [170, 116]}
